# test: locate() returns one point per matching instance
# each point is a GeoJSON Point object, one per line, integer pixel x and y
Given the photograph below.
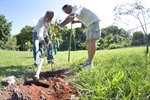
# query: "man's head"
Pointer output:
{"type": "Point", "coordinates": [67, 9]}
{"type": "Point", "coordinates": [49, 16]}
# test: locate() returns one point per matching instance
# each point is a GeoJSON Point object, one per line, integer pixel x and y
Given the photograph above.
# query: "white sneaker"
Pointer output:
{"type": "Point", "coordinates": [36, 76]}
{"type": "Point", "coordinates": [87, 64]}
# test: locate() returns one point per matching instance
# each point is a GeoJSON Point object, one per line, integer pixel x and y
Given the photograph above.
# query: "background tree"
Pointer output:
{"type": "Point", "coordinates": [138, 39]}
{"type": "Point", "coordinates": [5, 31]}
{"type": "Point", "coordinates": [11, 44]}
{"type": "Point", "coordinates": [112, 37]}
{"type": "Point", "coordinates": [80, 38]}
{"type": "Point", "coordinates": [24, 37]}
{"type": "Point", "coordinates": [28, 46]}
{"type": "Point", "coordinates": [65, 39]}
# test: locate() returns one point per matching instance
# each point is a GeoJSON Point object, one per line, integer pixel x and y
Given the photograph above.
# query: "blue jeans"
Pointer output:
{"type": "Point", "coordinates": [50, 51]}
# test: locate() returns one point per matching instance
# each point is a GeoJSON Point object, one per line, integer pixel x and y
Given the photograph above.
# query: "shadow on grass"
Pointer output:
{"type": "Point", "coordinates": [29, 57]}
{"type": "Point", "coordinates": [59, 71]}
{"type": "Point", "coordinates": [18, 71]}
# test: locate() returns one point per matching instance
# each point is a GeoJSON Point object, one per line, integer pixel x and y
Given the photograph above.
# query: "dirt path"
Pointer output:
{"type": "Point", "coordinates": [58, 88]}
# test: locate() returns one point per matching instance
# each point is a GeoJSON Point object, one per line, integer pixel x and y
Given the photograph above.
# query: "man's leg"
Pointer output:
{"type": "Point", "coordinates": [92, 34]}
{"type": "Point", "coordinates": [50, 55]}
{"type": "Point", "coordinates": [55, 48]}
{"type": "Point", "coordinates": [36, 49]}
{"type": "Point", "coordinates": [42, 51]}
{"type": "Point", "coordinates": [91, 48]}
{"type": "Point", "coordinates": [36, 52]}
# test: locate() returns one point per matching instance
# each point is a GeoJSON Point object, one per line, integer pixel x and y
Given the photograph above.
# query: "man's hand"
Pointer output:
{"type": "Point", "coordinates": [73, 22]}
{"type": "Point", "coordinates": [45, 47]}
{"type": "Point", "coordinates": [58, 27]}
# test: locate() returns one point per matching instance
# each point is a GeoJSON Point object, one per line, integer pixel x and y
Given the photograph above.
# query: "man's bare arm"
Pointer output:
{"type": "Point", "coordinates": [75, 21]}
{"type": "Point", "coordinates": [67, 20]}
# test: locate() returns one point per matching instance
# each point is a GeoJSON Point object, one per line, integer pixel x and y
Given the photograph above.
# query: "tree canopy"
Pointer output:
{"type": "Point", "coordinates": [5, 31]}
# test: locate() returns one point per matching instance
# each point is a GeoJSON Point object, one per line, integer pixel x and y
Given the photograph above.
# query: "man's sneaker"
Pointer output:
{"type": "Point", "coordinates": [36, 78]}
{"type": "Point", "coordinates": [87, 64]}
{"type": "Point", "coordinates": [36, 65]}
{"type": "Point", "coordinates": [50, 62]}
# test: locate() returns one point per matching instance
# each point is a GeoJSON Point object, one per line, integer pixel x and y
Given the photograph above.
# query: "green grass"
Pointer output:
{"type": "Point", "coordinates": [121, 74]}
{"type": "Point", "coordinates": [118, 74]}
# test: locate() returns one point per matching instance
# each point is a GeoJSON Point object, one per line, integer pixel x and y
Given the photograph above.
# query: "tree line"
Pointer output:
{"type": "Point", "coordinates": [111, 37]}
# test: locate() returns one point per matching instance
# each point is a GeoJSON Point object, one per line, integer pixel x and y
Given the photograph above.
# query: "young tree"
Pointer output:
{"type": "Point", "coordinates": [138, 11]}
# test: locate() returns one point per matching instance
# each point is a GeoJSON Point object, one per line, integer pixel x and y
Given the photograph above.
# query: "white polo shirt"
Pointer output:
{"type": "Point", "coordinates": [41, 28]}
{"type": "Point", "coordinates": [84, 15]}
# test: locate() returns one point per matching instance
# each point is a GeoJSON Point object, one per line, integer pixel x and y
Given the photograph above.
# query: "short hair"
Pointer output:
{"type": "Point", "coordinates": [65, 6]}
{"type": "Point", "coordinates": [49, 12]}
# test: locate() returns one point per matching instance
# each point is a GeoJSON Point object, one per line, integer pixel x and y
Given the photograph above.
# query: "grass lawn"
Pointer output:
{"type": "Point", "coordinates": [121, 74]}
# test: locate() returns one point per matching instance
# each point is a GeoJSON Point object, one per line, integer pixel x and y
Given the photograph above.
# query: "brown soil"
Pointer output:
{"type": "Point", "coordinates": [58, 88]}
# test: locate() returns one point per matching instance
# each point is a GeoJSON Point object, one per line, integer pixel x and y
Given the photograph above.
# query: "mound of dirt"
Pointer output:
{"type": "Point", "coordinates": [58, 88]}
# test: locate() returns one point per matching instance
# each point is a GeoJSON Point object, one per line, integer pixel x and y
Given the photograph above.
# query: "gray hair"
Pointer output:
{"type": "Point", "coordinates": [49, 12]}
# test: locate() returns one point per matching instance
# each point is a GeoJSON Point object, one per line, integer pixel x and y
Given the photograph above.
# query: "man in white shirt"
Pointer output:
{"type": "Point", "coordinates": [91, 21]}
{"type": "Point", "coordinates": [39, 34]}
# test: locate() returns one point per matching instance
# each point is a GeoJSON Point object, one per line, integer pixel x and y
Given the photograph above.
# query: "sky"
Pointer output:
{"type": "Point", "coordinates": [28, 12]}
